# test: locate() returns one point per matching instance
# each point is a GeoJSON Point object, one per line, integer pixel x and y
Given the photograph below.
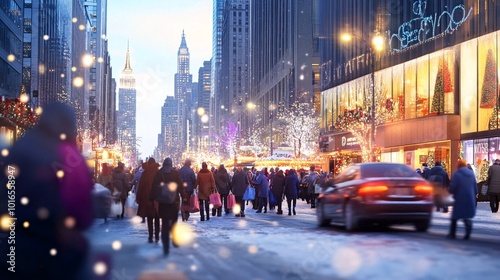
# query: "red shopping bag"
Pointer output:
{"type": "Point", "coordinates": [231, 201]}
{"type": "Point", "coordinates": [194, 204]}
{"type": "Point", "coordinates": [215, 200]}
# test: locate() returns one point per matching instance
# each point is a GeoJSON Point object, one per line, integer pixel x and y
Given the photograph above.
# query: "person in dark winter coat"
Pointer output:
{"type": "Point", "coordinates": [189, 179]}
{"type": "Point", "coordinates": [278, 188]}
{"type": "Point", "coordinates": [205, 183]}
{"type": "Point", "coordinates": [121, 186]}
{"type": "Point", "coordinates": [425, 170]}
{"type": "Point", "coordinates": [168, 212]}
{"type": "Point", "coordinates": [262, 190]}
{"type": "Point", "coordinates": [464, 190]}
{"type": "Point", "coordinates": [50, 186]}
{"type": "Point", "coordinates": [222, 181]}
{"type": "Point", "coordinates": [311, 183]}
{"type": "Point", "coordinates": [148, 208]}
{"type": "Point", "coordinates": [493, 183]}
{"type": "Point", "coordinates": [440, 179]}
{"type": "Point", "coordinates": [239, 184]}
{"type": "Point", "coordinates": [291, 190]}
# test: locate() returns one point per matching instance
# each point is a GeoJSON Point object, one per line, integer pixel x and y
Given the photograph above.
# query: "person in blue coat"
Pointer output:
{"type": "Point", "coordinates": [464, 190]}
{"type": "Point", "coordinates": [262, 186]}
{"type": "Point", "coordinates": [291, 190]}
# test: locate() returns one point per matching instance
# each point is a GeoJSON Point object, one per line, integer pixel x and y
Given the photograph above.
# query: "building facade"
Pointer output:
{"type": "Point", "coordinates": [435, 83]}
{"type": "Point", "coordinates": [215, 91]}
{"type": "Point", "coordinates": [203, 108]}
{"type": "Point", "coordinates": [98, 80]}
{"type": "Point", "coordinates": [11, 46]}
{"type": "Point", "coordinates": [170, 122]}
{"type": "Point", "coordinates": [285, 58]}
{"type": "Point", "coordinates": [235, 64]}
{"type": "Point", "coordinates": [127, 114]}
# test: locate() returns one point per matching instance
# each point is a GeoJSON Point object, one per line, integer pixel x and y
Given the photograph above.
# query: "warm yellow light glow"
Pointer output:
{"type": "Point", "coordinates": [11, 58]}
{"type": "Point", "coordinates": [346, 37]}
{"type": "Point", "coordinates": [78, 82]}
{"type": "Point", "coordinates": [251, 105]}
{"type": "Point", "coordinates": [87, 60]}
{"type": "Point", "coordinates": [378, 42]}
{"type": "Point", "coordinates": [24, 98]}
{"type": "Point", "coordinates": [182, 234]}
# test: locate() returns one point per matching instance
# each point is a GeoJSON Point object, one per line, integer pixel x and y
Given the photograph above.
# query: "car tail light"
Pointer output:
{"type": "Point", "coordinates": [372, 190]}
{"type": "Point", "coordinates": [423, 190]}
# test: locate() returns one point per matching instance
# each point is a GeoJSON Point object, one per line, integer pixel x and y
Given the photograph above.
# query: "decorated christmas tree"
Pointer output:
{"type": "Point", "coordinates": [489, 89]}
{"type": "Point", "coordinates": [493, 124]}
{"type": "Point", "coordinates": [19, 113]}
{"type": "Point", "coordinates": [430, 161]}
{"type": "Point", "coordinates": [483, 171]}
{"type": "Point", "coordinates": [443, 85]}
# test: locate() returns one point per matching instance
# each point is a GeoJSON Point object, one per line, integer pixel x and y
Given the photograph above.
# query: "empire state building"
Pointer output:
{"type": "Point", "coordinates": [127, 113]}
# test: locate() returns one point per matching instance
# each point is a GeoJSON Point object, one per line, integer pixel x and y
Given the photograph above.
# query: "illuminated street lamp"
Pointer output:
{"type": "Point", "coordinates": [252, 106]}
{"type": "Point", "coordinates": [377, 44]}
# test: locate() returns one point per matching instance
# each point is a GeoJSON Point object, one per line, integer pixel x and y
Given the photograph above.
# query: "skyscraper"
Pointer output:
{"type": "Point", "coordinates": [169, 139]}
{"type": "Point", "coordinates": [285, 58]}
{"type": "Point", "coordinates": [10, 49]}
{"type": "Point", "coordinates": [202, 112]}
{"type": "Point", "coordinates": [127, 113]}
{"type": "Point", "coordinates": [182, 92]}
{"type": "Point", "coordinates": [217, 17]}
{"type": "Point", "coordinates": [234, 72]}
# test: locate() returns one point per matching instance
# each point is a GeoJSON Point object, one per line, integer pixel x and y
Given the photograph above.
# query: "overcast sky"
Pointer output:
{"type": "Point", "coordinates": [154, 30]}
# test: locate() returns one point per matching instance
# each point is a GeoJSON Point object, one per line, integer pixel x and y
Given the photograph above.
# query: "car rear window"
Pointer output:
{"type": "Point", "coordinates": [387, 170]}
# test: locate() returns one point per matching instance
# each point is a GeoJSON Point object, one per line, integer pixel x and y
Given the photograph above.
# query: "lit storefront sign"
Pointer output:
{"type": "Point", "coordinates": [423, 28]}
{"type": "Point", "coordinates": [346, 142]}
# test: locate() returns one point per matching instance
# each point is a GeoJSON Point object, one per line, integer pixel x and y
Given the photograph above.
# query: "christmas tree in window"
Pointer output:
{"type": "Point", "coordinates": [443, 85]}
{"type": "Point", "coordinates": [489, 89]}
{"type": "Point", "coordinates": [495, 116]}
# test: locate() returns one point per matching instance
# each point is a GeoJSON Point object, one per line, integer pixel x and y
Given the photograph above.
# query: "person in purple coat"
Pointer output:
{"type": "Point", "coordinates": [51, 187]}
{"type": "Point", "coordinates": [464, 189]}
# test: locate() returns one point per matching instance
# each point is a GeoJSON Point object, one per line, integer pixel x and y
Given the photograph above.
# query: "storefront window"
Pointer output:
{"type": "Point", "coordinates": [343, 98]}
{"type": "Point", "coordinates": [423, 86]}
{"type": "Point", "coordinates": [436, 84]}
{"type": "Point", "coordinates": [487, 81]}
{"type": "Point", "coordinates": [494, 149]}
{"type": "Point", "coordinates": [410, 89]}
{"type": "Point", "coordinates": [398, 89]}
{"type": "Point", "coordinates": [480, 150]}
{"type": "Point", "coordinates": [468, 149]}
{"type": "Point", "coordinates": [361, 90]}
{"type": "Point", "coordinates": [449, 80]}
{"type": "Point", "coordinates": [468, 87]}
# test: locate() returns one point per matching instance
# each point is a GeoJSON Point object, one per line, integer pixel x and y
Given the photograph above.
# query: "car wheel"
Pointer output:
{"type": "Point", "coordinates": [422, 226]}
{"type": "Point", "coordinates": [350, 219]}
{"type": "Point", "coordinates": [320, 214]}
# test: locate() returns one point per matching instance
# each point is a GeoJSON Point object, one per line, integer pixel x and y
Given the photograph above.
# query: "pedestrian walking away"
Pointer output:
{"type": "Point", "coordinates": [148, 208]}
{"type": "Point", "coordinates": [168, 212]}
{"type": "Point", "coordinates": [464, 190]}
{"type": "Point", "coordinates": [493, 182]}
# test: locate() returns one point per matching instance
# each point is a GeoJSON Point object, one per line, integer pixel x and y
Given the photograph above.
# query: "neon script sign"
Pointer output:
{"type": "Point", "coordinates": [423, 28]}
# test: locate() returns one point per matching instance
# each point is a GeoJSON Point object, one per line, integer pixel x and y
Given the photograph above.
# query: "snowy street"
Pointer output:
{"type": "Point", "coordinates": [270, 246]}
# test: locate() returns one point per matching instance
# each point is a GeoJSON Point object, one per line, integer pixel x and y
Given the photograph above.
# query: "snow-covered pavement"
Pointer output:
{"type": "Point", "coordinates": [270, 246]}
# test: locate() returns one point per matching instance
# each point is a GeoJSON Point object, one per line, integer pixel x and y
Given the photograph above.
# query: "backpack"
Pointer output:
{"type": "Point", "coordinates": [164, 193]}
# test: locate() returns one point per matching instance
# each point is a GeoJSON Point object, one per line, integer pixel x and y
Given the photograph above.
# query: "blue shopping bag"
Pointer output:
{"type": "Point", "coordinates": [272, 199]}
{"type": "Point", "coordinates": [249, 193]}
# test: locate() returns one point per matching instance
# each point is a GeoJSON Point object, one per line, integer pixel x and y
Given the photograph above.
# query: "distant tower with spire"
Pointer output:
{"type": "Point", "coordinates": [183, 81]}
{"type": "Point", "coordinates": [127, 114]}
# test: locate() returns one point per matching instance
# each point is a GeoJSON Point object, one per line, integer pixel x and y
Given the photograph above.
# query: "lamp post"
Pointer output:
{"type": "Point", "coordinates": [376, 45]}
{"type": "Point", "coordinates": [252, 106]}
